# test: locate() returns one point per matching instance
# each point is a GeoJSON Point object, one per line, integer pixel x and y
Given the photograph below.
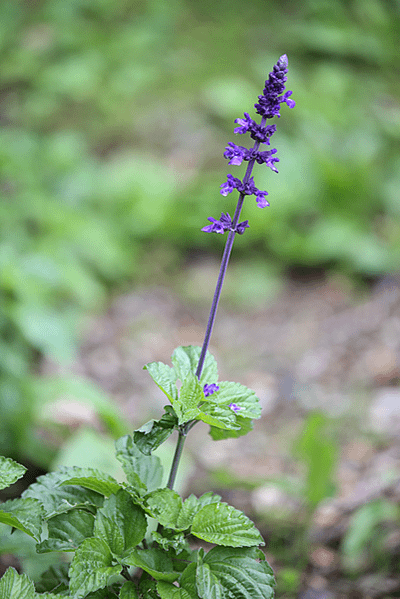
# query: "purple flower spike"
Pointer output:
{"type": "Point", "coordinates": [219, 226]}
{"type": "Point", "coordinates": [210, 389]}
{"type": "Point", "coordinates": [234, 407]}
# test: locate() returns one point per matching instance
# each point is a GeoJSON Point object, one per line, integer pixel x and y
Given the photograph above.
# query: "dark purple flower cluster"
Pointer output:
{"type": "Point", "coordinates": [268, 106]}
{"type": "Point", "coordinates": [224, 224]}
{"type": "Point", "coordinates": [270, 102]}
{"type": "Point", "coordinates": [210, 389]}
{"type": "Point", "coordinates": [246, 189]}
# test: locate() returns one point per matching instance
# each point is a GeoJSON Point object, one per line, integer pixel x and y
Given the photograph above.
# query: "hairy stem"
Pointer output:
{"type": "Point", "coordinates": [177, 457]}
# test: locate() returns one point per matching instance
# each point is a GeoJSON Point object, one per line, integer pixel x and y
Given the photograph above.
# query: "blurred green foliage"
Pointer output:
{"type": "Point", "coordinates": [115, 115]}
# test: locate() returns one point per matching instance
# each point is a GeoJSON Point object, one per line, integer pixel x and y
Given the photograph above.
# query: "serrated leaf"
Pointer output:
{"type": "Point", "coordinates": [91, 568]}
{"type": "Point", "coordinates": [166, 590]}
{"type": "Point", "coordinates": [186, 359]}
{"type": "Point", "coordinates": [223, 524]}
{"type": "Point", "coordinates": [245, 424]}
{"type": "Point", "coordinates": [153, 433]}
{"type": "Point", "coordinates": [92, 479]}
{"type": "Point", "coordinates": [54, 579]}
{"type": "Point", "coordinates": [67, 531]}
{"type": "Point", "coordinates": [164, 505]}
{"type": "Point", "coordinates": [56, 499]}
{"type": "Point", "coordinates": [143, 472]}
{"type": "Point", "coordinates": [10, 472]}
{"type": "Point", "coordinates": [228, 572]}
{"type": "Point", "coordinates": [165, 378]}
{"type": "Point", "coordinates": [128, 591]}
{"type": "Point", "coordinates": [207, 583]}
{"type": "Point", "coordinates": [16, 586]}
{"type": "Point", "coordinates": [120, 523]}
{"type": "Point", "coordinates": [243, 397]}
{"type": "Point", "coordinates": [153, 561]}
{"type": "Point", "coordinates": [219, 416]}
{"type": "Point", "coordinates": [242, 572]}
{"type": "Point", "coordinates": [24, 514]}
{"type": "Point", "coordinates": [191, 506]}
{"type": "Point", "coordinates": [191, 394]}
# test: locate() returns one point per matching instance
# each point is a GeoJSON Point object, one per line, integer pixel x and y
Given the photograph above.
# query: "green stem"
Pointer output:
{"type": "Point", "coordinates": [177, 456]}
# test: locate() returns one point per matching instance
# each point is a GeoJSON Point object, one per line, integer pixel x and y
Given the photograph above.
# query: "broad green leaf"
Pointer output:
{"type": "Point", "coordinates": [143, 472]}
{"type": "Point", "coordinates": [25, 514]}
{"type": "Point", "coordinates": [166, 590]}
{"type": "Point", "coordinates": [153, 561]}
{"type": "Point", "coordinates": [10, 472]}
{"type": "Point", "coordinates": [120, 523]}
{"type": "Point", "coordinates": [207, 583]}
{"type": "Point", "coordinates": [191, 506]}
{"type": "Point", "coordinates": [67, 531]}
{"type": "Point", "coordinates": [128, 591]}
{"type": "Point", "coordinates": [191, 394]}
{"type": "Point", "coordinates": [92, 479]}
{"type": "Point", "coordinates": [219, 416]}
{"type": "Point", "coordinates": [246, 425]}
{"type": "Point", "coordinates": [186, 359]}
{"type": "Point", "coordinates": [54, 579]}
{"type": "Point", "coordinates": [165, 378]}
{"type": "Point", "coordinates": [57, 499]}
{"type": "Point", "coordinates": [164, 505]}
{"type": "Point", "coordinates": [153, 433]}
{"type": "Point", "coordinates": [222, 524]}
{"type": "Point", "coordinates": [245, 399]}
{"type": "Point", "coordinates": [226, 572]}
{"type": "Point", "coordinates": [16, 586]}
{"type": "Point", "coordinates": [91, 568]}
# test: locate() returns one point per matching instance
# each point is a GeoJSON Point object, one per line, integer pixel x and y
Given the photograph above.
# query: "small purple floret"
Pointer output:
{"type": "Point", "coordinates": [210, 389]}
{"type": "Point", "coordinates": [234, 407]}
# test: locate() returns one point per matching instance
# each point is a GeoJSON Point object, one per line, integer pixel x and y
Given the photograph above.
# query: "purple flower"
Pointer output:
{"type": "Point", "coordinates": [269, 103]}
{"type": "Point", "coordinates": [234, 407]}
{"type": "Point", "coordinates": [242, 226]}
{"type": "Point", "coordinates": [210, 389]}
{"type": "Point", "coordinates": [260, 199]}
{"type": "Point", "coordinates": [224, 224]}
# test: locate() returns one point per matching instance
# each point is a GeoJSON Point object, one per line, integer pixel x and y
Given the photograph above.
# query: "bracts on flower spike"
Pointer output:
{"type": "Point", "coordinates": [268, 106]}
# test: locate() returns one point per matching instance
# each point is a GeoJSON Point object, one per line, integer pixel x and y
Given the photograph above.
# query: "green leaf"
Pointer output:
{"type": "Point", "coordinates": [91, 568]}
{"type": "Point", "coordinates": [143, 472]}
{"type": "Point", "coordinates": [226, 572]}
{"type": "Point", "coordinates": [10, 472]}
{"type": "Point", "coordinates": [166, 590]}
{"type": "Point", "coordinates": [56, 499]}
{"type": "Point", "coordinates": [219, 416]}
{"type": "Point", "coordinates": [191, 506]}
{"type": "Point", "coordinates": [165, 378]}
{"type": "Point", "coordinates": [245, 424]}
{"type": "Point", "coordinates": [153, 561]}
{"type": "Point", "coordinates": [54, 579]}
{"type": "Point", "coordinates": [222, 524]}
{"type": "Point", "coordinates": [147, 587]}
{"type": "Point", "coordinates": [168, 539]}
{"type": "Point", "coordinates": [164, 505]}
{"type": "Point", "coordinates": [320, 455]}
{"type": "Point", "coordinates": [186, 359]}
{"type": "Point", "coordinates": [153, 433]}
{"type": "Point", "coordinates": [24, 514]}
{"type": "Point", "coordinates": [238, 394]}
{"type": "Point", "coordinates": [67, 531]}
{"type": "Point", "coordinates": [121, 523]}
{"type": "Point", "coordinates": [16, 586]}
{"type": "Point", "coordinates": [92, 479]}
{"type": "Point", "coordinates": [191, 394]}
{"type": "Point", "coordinates": [128, 591]}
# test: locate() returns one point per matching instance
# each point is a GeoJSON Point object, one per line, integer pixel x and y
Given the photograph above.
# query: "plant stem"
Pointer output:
{"type": "Point", "coordinates": [177, 457]}
{"type": "Point", "coordinates": [183, 431]}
